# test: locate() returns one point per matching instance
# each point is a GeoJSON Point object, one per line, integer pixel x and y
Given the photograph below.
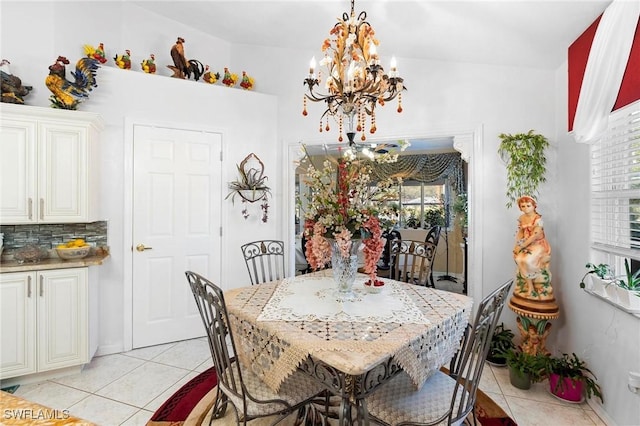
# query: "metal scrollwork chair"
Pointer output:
{"type": "Point", "coordinates": [412, 261]}
{"type": "Point", "coordinates": [451, 397]}
{"type": "Point", "coordinates": [265, 260]}
{"type": "Point", "coordinates": [249, 396]}
{"type": "Point", "coordinates": [433, 236]}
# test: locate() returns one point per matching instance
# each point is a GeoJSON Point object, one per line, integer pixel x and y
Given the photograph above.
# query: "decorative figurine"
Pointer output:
{"type": "Point", "coordinates": [96, 53]}
{"type": "Point", "coordinates": [210, 76]}
{"type": "Point", "coordinates": [68, 94]}
{"type": "Point", "coordinates": [229, 79]}
{"type": "Point", "coordinates": [149, 65]}
{"type": "Point", "coordinates": [12, 89]}
{"type": "Point", "coordinates": [246, 82]}
{"type": "Point", "coordinates": [123, 61]}
{"type": "Point", "coordinates": [183, 67]}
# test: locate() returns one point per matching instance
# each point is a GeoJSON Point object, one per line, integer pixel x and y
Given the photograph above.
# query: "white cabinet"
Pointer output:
{"type": "Point", "coordinates": [48, 165]}
{"type": "Point", "coordinates": [44, 321]}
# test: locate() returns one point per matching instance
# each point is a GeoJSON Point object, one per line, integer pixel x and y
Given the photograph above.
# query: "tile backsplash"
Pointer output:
{"type": "Point", "coordinates": [48, 236]}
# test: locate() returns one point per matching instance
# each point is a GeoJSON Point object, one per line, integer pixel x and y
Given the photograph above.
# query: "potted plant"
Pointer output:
{"type": "Point", "coordinates": [501, 343]}
{"type": "Point", "coordinates": [524, 155]}
{"type": "Point", "coordinates": [251, 186]}
{"type": "Point", "coordinates": [570, 379]}
{"type": "Point", "coordinates": [461, 210]}
{"type": "Point", "coordinates": [525, 368]}
{"type": "Point", "coordinates": [628, 288]}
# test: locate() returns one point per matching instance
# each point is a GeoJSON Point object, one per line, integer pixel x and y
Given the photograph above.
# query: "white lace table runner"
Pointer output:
{"type": "Point", "coordinates": [309, 298]}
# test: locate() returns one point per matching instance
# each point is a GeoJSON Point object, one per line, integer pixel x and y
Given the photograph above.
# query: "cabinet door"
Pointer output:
{"type": "Point", "coordinates": [63, 179]}
{"type": "Point", "coordinates": [17, 324]}
{"type": "Point", "coordinates": [18, 176]}
{"type": "Point", "coordinates": [63, 339]}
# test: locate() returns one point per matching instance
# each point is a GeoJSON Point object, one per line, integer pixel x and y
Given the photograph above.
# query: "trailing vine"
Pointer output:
{"type": "Point", "coordinates": [524, 155]}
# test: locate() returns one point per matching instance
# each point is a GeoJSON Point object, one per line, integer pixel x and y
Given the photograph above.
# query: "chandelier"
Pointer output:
{"type": "Point", "coordinates": [355, 82]}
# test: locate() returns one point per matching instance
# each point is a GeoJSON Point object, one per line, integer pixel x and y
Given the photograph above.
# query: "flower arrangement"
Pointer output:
{"type": "Point", "coordinates": [344, 204]}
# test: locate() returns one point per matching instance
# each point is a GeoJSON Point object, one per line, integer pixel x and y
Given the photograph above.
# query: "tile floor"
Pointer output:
{"type": "Point", "coordinates": [126, 388]}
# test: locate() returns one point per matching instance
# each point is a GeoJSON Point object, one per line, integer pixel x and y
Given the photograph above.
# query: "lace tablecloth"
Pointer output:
{"type": "Point", "coordinates": [278, 325]}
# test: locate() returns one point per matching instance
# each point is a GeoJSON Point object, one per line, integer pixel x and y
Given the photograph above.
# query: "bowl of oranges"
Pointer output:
{"type": "Point", "coordinates": [73, 250]}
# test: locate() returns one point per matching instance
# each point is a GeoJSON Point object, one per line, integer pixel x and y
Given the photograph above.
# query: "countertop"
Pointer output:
{"type": "Point", "coordinates": [52, 263]}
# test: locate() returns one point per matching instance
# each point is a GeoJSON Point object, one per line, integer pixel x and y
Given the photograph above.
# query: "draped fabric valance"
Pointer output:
{"type": "Point", "coordinates": [426, 168]}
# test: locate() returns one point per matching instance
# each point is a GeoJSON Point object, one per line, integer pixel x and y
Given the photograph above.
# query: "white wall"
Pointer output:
{"type": "Point", "coordinates": [441, 96]}
{"type": "Point", "coordinates": [607, 338]}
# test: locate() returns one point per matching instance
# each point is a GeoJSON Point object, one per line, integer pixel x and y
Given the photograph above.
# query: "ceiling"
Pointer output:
{"type": "Point", "coordinates": [523, 33]}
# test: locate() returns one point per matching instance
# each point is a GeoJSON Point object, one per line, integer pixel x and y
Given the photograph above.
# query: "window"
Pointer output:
{"type": "Point", "coordinates": [615, 186]}
{"type": "Point", "coordinates": [421, 205]}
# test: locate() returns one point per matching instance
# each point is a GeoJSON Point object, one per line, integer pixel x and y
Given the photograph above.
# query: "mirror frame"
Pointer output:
{"type": "Point", "coordinates": [466, 140]}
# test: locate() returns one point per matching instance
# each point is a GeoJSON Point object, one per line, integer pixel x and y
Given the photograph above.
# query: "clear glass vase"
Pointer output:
{"type": "Point", "coordinates": [345, 266]}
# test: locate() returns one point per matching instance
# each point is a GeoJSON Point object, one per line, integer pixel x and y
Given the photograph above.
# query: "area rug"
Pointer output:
{"type": "Point", "coordinates": [192, 403]}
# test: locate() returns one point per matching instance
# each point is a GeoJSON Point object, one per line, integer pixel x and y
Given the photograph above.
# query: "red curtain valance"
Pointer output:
{"type": "Point", "coordinates": [577, 61]}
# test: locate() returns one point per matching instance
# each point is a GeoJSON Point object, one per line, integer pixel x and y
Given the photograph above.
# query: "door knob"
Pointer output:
{"type": "Point", "coordinates": [141, 247]}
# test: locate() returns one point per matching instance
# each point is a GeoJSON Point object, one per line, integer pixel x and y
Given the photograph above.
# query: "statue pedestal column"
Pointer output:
{"type": "Point", "coordinates": [533, 322]}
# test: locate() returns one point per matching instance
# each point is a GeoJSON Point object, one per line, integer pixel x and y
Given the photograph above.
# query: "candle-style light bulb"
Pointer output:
{"type": "Point", "coordinates": [393, 64]}
{"type": "Point", "coordinates": [312, 66]}
{"type": "Point", "coordinates": [373, 52]}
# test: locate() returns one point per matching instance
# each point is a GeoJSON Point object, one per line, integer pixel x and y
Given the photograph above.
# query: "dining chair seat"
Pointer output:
{"type": "Point", "coordinates": [398, 402]}
{"type": "Point", "coordinates": [444, 398]}
{"type": "Point", "coordinates": [289, 394]}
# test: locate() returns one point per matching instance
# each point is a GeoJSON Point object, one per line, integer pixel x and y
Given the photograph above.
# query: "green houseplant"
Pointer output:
{"type": "Point", "coordinates": [525, 368]}
{"type": "Point", "coordinates": [570, 379]}
{"type": "Point", "coordinates": [628, 288]}
{"type": "Point", "coordinates": [501, 343]}
{"type": "Point", "coordinates": [524, 155]}
{"type": "Point", "coordinates": [601, 270]}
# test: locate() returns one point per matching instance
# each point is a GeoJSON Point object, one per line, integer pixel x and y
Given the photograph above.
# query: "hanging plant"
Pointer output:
{"type": "Point", "coordinates": [524, 155]}
{"type": "Point", "coordinates": [251, 186]}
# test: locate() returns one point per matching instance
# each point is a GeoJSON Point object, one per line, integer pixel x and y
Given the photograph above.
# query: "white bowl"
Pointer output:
{"type": "Point", "coordinates": [73, 253]}
{"type": "Point", "coordinates": [373, 289]}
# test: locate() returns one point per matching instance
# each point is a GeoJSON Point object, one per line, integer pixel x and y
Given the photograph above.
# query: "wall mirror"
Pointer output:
{"type": "Point", "coordinates": [422, 202]}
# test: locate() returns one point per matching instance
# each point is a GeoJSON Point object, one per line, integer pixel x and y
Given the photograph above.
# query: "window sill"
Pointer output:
{"type": "Point", "coordinates": [635, 313]}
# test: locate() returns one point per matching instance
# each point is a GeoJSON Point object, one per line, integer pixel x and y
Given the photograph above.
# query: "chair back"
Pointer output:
{"type": "Point", "coordinates": [213, 312]}
{"type": "Point", "coordinates": [412, 261]}
{"type": "Point", "coordinates": [265, 260]}
{"type": "Point", "coordinates": [466, 367]}
{"type": "Point", "coordinates": [433, 236]}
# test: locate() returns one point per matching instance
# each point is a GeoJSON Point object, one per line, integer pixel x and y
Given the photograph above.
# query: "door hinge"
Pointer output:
{"type": "Point", "coordinates": [221, 159]}
{"type": "Point", "coordinates": [221, 231]}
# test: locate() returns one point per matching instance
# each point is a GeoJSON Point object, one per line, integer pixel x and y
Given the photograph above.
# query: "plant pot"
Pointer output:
{"type": "Point", "coordinates": [628, 299]}
{"type": "Point", "coordinates": [566, 388]}
{"type": "Point", "coordinates": [611, 293]}
{"type": "Point", "coordinates": [597, 285]}
{"type": "Point", "coordinates": [497, 362]}
{"type": "Point", "coordinates": [518, 379]}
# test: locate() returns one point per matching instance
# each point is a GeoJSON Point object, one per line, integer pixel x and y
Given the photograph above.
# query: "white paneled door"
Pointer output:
{"type": "Point", "coordinates": [176, 227]}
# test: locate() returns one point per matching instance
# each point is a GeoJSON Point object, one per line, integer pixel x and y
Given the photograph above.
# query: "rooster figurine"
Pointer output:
{"type": "Point", "coordinates": [68, 94]}
{"type": "Point", "coordinates": [13, 91]}
{"type": "Point", "coordinates": [149, 65]}
{"type": "Point", "coordinates": [123, 61]}
{"type": "Point", "coordinates": [96, 53]}
{"type": "Point", "coordinates": [210, 76]}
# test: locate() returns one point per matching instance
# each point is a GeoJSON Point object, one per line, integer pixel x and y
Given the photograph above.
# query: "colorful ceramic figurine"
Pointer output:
{"type": "Point", "coordinates": [183, 67]}
{"type": "Point", "coordinates": [68, 94]}
{"type": "Point", "coordinates": [123, 61]}
{"type": "Point", "coordinates": [229, 79]}
{"type": "Point", "coordinates": [96, 53]}
{"type": "Point", "coordinates": [12, 89]}
{"type": "Point", "coordinates": [149, 65]}
{"type": "Point", "coordinates": [210, 76]}
{"type": "Point", "coordinates": [246, 82]}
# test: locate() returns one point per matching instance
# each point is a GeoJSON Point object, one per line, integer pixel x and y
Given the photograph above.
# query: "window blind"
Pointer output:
{"type": "Point", "coordinates": [615, 185]}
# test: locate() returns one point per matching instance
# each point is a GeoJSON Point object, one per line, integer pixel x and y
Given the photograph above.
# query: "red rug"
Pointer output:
{"type": "Point", "coordinates": [193, 401]}
{"type": "Point", "coordinates": [190, 404]}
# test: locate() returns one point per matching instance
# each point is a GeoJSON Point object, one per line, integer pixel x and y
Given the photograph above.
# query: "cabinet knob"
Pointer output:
{"type": "Point", "coordinates": [142, 247]}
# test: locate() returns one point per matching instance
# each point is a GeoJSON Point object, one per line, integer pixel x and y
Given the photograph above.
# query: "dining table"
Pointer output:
{"type": "Point", "coordinates": [352, 347]}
